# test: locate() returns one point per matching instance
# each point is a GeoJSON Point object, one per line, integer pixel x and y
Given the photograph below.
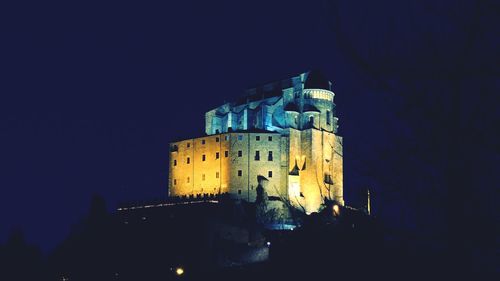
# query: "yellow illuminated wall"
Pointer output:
{"type": "Point", "coordinates": [234, 171]}
{"type": "Point", "coordinates": [226, 163]}
{"type": "Point", "coordinates": [318, 155]}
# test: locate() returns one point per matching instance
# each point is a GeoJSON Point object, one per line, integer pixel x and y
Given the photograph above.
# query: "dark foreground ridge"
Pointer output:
{"type": "Point", "coordinates": [220, 239]}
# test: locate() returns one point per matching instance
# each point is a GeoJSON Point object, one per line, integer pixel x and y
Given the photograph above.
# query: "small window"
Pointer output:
{"type": "Point", "coordinates": [203, 157]}
{"type": "Point", "coordinates": [240, 153]}
{"type": "Point", "coordinates": [239, 191]}
{"type": "Point", "coordinates": [188, 160]}
{"type": "Point", "coordinates": [203, 177]}
{"type": "Point", "coordinates": [216, 155]}
{"type": "Point", "coordinates": [217, 131]}
{"type": "Point", "coordinates": [188, 145]}
{"type": "Point", "coordinates": [226, 153]}
{"type": "Point", "coordinates": [187, 180]}
{"type": "Point", "coordinates": [257, 155]}
{"type": "Point", "coordinates": [216, 175]}
{"type": "Point", "coordinates": [175, 162]}
{"type": "Point", "coordinates": [175, 182]}
{"type": "Point", "coordinates": [270, 156]}
{"type": "Point", "coordinates": [270, 174]}
{"type": "Point", "coordinates": [328, 179]}
{"type": "Point", "coordinates": [311, 119]}
{"type": "Point", "coordinates": [240, 173]}
{"type": "Point", "coordinates": [202, 141]}
{"type": "Point", "coordinates": [217, 139]}
{"type": "Point", "coordinates": [270, 138]}
{"type": "Point", "coordinates": [257, 138]}
{"type": "Point", "coordinates": [240, 137]}
{"type": "Point", "coordinates": [328, 118]}
{"type": "Point", "coordinates": [226, 137]}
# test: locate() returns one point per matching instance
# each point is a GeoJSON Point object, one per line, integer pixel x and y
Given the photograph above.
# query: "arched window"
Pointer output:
{"type": "Point", "coordinates": [311, 120]}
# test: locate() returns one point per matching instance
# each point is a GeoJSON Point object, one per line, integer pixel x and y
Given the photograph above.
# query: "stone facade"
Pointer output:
{"type": "Point", "coordinates": [226, 163]}
{"type": "Point", "coordinates": [281, 136]}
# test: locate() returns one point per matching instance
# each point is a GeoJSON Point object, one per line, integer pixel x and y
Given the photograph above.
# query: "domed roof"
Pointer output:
{"type": "Point", "coordinates": [316, 80]}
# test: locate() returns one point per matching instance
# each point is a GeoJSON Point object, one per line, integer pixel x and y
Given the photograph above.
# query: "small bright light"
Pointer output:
{"type": "Point", "coordinates": [268, 243]}
{"type": "Point", "coordinates": [179, 271]}
{"type": "Point", "coordinates": [336, 209]}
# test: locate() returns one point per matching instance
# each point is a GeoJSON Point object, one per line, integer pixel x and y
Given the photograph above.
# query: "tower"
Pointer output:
{"type": "Point", "coordinates": [313, 143]}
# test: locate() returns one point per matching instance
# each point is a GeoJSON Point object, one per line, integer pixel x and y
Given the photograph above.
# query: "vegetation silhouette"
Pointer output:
{"type": "Point", "coordinates": [154, 243]}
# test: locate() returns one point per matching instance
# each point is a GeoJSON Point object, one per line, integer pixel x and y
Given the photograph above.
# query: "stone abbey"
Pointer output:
{"type": "Point", "coordinates": [281, 137]}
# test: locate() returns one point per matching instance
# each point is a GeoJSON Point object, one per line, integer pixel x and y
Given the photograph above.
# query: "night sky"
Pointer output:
{"type": "Point", "coordinates": [92, 92]}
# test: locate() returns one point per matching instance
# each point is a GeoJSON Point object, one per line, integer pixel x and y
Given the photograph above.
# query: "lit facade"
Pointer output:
{"type": "Point", "coordinates": [281, 136]}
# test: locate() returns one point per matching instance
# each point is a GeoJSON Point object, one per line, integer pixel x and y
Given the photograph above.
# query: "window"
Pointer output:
{"type": "Point", "coordinates": [240, 153]}
{"type": "Point", "coordinates": [240, 172]}
{"type": "Point", "coordinates": [257, 155]}
{"type": "Point", "coordinates": [175, 182]}
{"type": "Point", "coordinates": [202, 141]}
{"type": "Point", "coordinates": [226, 153]}
{"type": "Point", "coordinates": [270, 174]}
{"type": "Point", "coordinates": [270, 156]}
{"type": "Point", "coordinates": [257, 138]}
{"type": "Point", "coordinates": [203, 157]}
{"type": "Point", "coordinates": [188, 160]}
{"type": "Point", "coordinates": [226, 137]}
{"type": "Point", "coordinates": [311, 119]}
{"type": "Point", "coordinates": [216, 175]}
{"type": "Point", "coordinates": [239, 191]}
{"type": "Point", "coordinates": [217, 139]}
{"type": "Point", "coordinates": [217, 131]}
{"type": "Point", "coordinates": [216, 155]}
{"type": "Point", "coordinates": [328, 179]}
{"type": "Point", "coordinates": [188, 145]}
{"type": "Point", "coordinates": [187, 180]}
{"type": "Point", "coordinates": [328, 121]}
{"type": "Point", "coordinates": [203, 177]}
{"type": "Point", "coordinates": [240, 137]}
{"type": "Point", "coordinates": [175, 162]}
{"type": "Point", "coordinates": [270, 138]}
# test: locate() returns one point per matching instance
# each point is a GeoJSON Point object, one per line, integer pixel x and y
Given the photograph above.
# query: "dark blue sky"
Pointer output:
{"type": "Point", "coordinates": [93, 92]}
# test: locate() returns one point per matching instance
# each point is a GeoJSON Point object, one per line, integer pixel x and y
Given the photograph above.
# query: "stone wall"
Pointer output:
{"type": "Point", "coordinates": [235, 170]}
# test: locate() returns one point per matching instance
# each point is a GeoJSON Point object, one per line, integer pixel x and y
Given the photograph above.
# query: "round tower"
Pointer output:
{"type": "Point", "coordinates": [317, 103]}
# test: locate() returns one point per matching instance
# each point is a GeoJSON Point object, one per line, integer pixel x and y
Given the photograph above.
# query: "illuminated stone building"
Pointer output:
{"type": "Point", "coordinates": [280, 136]}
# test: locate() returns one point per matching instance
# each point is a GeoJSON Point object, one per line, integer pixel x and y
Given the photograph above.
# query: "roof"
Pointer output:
{"type": "Point", "coordinates": [295, 170]}
{"type": "Point", "coordinates": [313, 79]}
{"type": "Point", "coordinates": [249, 131]}
{"type": "Point", "coordinates": [316, 80]}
